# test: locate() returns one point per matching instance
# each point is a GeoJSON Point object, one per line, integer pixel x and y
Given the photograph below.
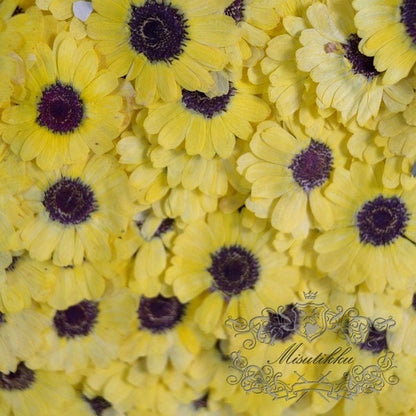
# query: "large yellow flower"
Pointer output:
{"type": "Point", "coordinates": [29, 392]}
{"type": "Point", "coordinates": [288, 173]}
{"type": "Point", "coordinates": [165, 333]}
{"type": "Point", "coordinates": [208, 126]}
{"type": "Point", "coordinates": [69, 108]}
{"type": "Point", "coordinates": [163, 45]}
{"type": "Point", "coordinates": [347, 79]}
{"type": "Point", "coordinates": [373, 239]}
{"type": "Point", "coordinates": [227, 262]}
{"type": "Point", "coordinates": [78, 210]}
{"type": "Point", "coordinates": [89, 332]}
{"type": "Point", "coordinates": [388, 33]}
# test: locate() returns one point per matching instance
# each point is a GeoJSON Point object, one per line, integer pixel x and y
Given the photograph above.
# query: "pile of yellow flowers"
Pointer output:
{"type": "Point", "coordinates": [207, 207]}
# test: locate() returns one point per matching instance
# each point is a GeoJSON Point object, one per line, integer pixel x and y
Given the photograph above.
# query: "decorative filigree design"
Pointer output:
{"type": "Point", "coordinates": [315, 319]}
{"type": "Point", "coordinates": [358, 380]}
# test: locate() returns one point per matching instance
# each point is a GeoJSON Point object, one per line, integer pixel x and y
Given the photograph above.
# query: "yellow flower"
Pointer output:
{"type": "Point", "coordinates": [163, 45]}
{"type": "Point", "coordinates": [37, 392]}
{"type": "Point", "coordinates": [151, 184]}
{"type": "Point", "coordinates": [388, 34]}
{"type": "Point", "coordinates": [21, 336]}
{"type": "Point", "coordinates": [77, 210]}
{"type": "Point", "coordinates": [288, 170]}
{"type": "Point", "coordinates": [229, 268]}
{"type": "Point", "coordinates": [89, 332]}
{"type": "Point", "coordinates": [208, 126]}
{"type": "Point", "coordinates": [25, 279]}
{"type": "Point", "coordinates": [69, 109]}
{"type": "Point", "coordinates": [347, 79]}
{"type": "Point", "coordinates": [373, 238]}
{"type": "Point", "coordinates": [166, 333]}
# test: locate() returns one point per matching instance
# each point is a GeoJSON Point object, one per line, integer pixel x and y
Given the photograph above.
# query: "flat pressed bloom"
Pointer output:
{"type": "Point", "coordinates": [347, 79]}
{"type": "Point", "coordinates": [208, 126]}
{"type": "Point", "coordinates": [373, 239]}
{"type": "Point", "coordinates": [388, 33]}
{"type": "Point", "coordinates": [20, 336]}
{"type": "Point", "coordinates": [231, 268]}
{"type": "Point", "coordinates": [288, 173]}
{"type": "Point", "coordinates": [29, 392]}
{"type": "Point", "coordinates": [77, 211]}
{"type": "Point", "coordinates": [163, 45]}
{"type": "Point", "coordinates": [69, 109]}
{"type": "Point", "coordinates": [165, 333]}
{"type": "Point", "coordinates": [86, 333]}
{"type": "Point", "coordinates": [24, 280]}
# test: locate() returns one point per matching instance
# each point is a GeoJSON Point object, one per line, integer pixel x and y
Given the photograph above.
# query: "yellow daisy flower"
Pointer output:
{"type": "Point", "coordinates": [163, 45]}
{"type": "Point", "coordinates": [400, 130]}
{"type": "Point", "coordinates": [254, 19]}
{"type": "Point", "coordinates": [37, 392]}
{"type": "Point", "coordinates": [388, 34]}
{"type": "Point", "coordinates": [21, 337]}
{"type": "Point", "coordinates": [166, 333]}
{"type": "Point", "coordinates": [347, 79]}
{"type": "Point", "coordinates": [152, 256]}
{"type": "Point", "coordinates": [374, 236]}
{"type": "Point", "coordinates": [73, 283]}
{"type": "Point", "coordinates": [77, 210]}
{"type": "Point", "coordinates": [288, 173]}
{"type": "Point", "coordinates": [230, 268]}
{"type": "Point", "coordinates": [25, 279]}
{"type": "Point", "coordinates": [111, 390]}
{"type": "Point", "coordinates": [151, 186]}
{"type": "Point", "coordinates": [286, 85]}
{"type": "Point", "coordinates": [207, 125]}
{"type": "Point", "coordinates": [69, 109]}
{"type": "Point", "coordinates": [86, 333]}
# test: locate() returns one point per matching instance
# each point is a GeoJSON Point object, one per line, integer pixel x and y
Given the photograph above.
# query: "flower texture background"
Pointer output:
{"type": "Point", "coordinates": [174, 171]}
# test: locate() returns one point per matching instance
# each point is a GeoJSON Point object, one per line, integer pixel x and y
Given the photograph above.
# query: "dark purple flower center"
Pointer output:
{"type": "Point", "coordinates": [202, 104]}
{"type": "Point", "coordinates": [98, 404]}
{"type": "Point", "coordinates": [312, 166]}
{"type": "Point", "coordinates": [414, 301]}
{"type": "Point", "coordinates": [21, 379]}
{"type": "Point", "coordinates": [165, 226]}
{"type": "Point", "coordinates": [283, 324]}
{"type": "Point", "coordinates": [12, 266]}
{"type": "Point", "coordinates": [60, 109]}
{"type": "Point", "coordinates": [158, 31]}
{"type": "Point", "coordinates": [17, 10]}
{"type": "Point", "coordinates": [382, 220]}
{"type": "Point", "coordinates": [2, 318]}
{"type": "Point", "coordinates": [236, 10]}
{"type": "Point", "coordinates": [376, 341]}
{"type": "Point", "coordinates": [201, 403]}
{"type": "Point", "coordinates": [69, 201]}
{"type": "Point", "coordinates": [234, 269]}
{"type": "Point", "coordinates": [77, 320]}
{"type": "Point", "coordinates": [408, 17]}
{"type": "Point", "coordinates": [361, 64]}
{"type": "Point", "coordinates": [160, 314]}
